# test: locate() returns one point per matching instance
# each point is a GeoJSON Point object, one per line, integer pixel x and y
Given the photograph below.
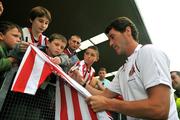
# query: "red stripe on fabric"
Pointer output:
{"type": "Point", "coordinates": [40, 40]}
{"type": "Point", "coordinates": [75, 100]}
{"type": "Point", "coordinates": [25, 72]}
{"type": "Point", "coordinates": [63, 109]}
{"type": "Point", "coordinates": [92, 113]}
{"type": "Point", "coordinates": [109, 113]}
{"type": "Point", "coordinates": [83, 70]}
{"type": "Point", "coordinates": [32, 37]}
{"type": "Point", "coordinates": [46, 71]}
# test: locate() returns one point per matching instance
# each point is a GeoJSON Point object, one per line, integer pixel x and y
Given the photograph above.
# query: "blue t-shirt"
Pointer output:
{"type": "Point", "coordinates": [105, 82]}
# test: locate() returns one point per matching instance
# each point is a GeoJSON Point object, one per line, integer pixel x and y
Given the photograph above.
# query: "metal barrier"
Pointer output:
{"type": "Point", "coordinates": [19, 106]}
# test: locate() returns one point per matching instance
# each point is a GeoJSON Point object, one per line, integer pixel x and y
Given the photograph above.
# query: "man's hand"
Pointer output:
{"type": "Point", "coordinates": [98, 103]}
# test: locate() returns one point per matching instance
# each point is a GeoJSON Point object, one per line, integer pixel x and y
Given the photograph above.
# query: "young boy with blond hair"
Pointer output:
{"type": "Point", "coordinates": [73, 105]}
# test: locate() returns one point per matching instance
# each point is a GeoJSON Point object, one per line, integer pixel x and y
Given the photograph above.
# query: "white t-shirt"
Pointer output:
{"type": "Point", "coordinates": [145, 68]}
{"type": "Point", "coordinates": [28, 37]}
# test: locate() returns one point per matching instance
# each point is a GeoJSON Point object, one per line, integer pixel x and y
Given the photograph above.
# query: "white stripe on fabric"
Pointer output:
{"type": "Point", "coordinates": [43, 40]}
{"type": "Point", "coordinates": [35, 76]}
{"type": "Point", "coordinates": [69, 80]}
{"type": "Point", "coordinates": [84, 108]}
{"type": "Point", "coordinates": [86, 76]}
{"type": "Point", "coordinates": [69, 102]}
{"type": "Point", "coordinates": [44, 57]}
{"type": "Point", "coordinates": [21, 65]}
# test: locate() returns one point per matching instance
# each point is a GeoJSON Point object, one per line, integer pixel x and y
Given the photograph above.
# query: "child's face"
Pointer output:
{"type": "Point", "coordinates": [56, 47]}
{"type": "Point", "coordinates": [12, 37]}
{"type": "Point", "coordinates": [40, 24]}
{"type": "Point", "coordinates": [102, 74]}
{"type": "Point", "coordinates": [90, 56]}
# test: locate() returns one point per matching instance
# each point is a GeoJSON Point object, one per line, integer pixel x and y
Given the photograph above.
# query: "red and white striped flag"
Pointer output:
{"type": "Point", "coordinates": [34, 69]}
{"type": "Point", "coordinates": [31, 73]}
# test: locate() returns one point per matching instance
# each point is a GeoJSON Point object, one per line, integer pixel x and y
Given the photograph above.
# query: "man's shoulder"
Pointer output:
{"type": "Point", "coordinates": [149, 53]}
{"type": "Point", "coordinates": [149, 50]}
{"type": "Point", "coordinates": [148, 47]}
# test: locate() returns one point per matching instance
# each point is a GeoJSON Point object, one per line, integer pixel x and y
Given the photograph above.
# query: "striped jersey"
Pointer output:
{"type": "Point", "coordinates": [28, 37]}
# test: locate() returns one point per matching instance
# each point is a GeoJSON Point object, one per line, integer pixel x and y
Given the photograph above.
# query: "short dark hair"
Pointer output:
{"type": "Point", "coordinates": [120, 25]}
{"type": "Point", "coordinates": [177, 72]}
{"type": "Point", "coordinates": [57, 36]}
{"type": "Point", "coordinates": [96, 49]}
{"type": "Point", "coordinates": [39, 11]}
{"type": "Point", "coordinates": [78, 36]}
{"type": "Point", "coordinates": [102, 69]}
{"type": "Point", "coordinates": [5, 26]}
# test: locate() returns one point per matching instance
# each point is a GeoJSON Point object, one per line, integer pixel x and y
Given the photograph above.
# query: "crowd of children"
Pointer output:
{"type": "Point", "coordinates": [14, 41]}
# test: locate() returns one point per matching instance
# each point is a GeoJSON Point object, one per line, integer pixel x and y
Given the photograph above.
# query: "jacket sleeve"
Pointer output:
{"type": "Point", "coordinates": [64, 60]}
{"type": "Point", "coordinates": [5, 64]}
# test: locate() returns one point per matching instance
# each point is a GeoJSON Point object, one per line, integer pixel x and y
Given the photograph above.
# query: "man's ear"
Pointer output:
{"type": "Point", "coordinates": [1, 36]}
{"type": "Point", "coordinates": [128, 30]}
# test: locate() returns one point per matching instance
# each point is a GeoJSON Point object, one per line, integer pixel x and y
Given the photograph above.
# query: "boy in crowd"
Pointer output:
{"type": "Point", "coordinates": [102, 77]}
{"type": "Point", "coordinates": [75, 106]}
{"type": "Point", "coordinates": [39, 18]}
{"type": "Point", "coordinates": [10, 35]}
{"type": "Point", "coordinates": [85, 68]}
{"type": "Point", "coordinates": [55, 47]}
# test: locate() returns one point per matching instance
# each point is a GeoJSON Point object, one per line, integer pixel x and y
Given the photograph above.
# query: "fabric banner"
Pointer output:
{"type": "Point", "coordinates": [34, 69]}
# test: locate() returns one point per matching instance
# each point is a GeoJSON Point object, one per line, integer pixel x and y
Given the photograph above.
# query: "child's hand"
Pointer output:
{"type": "Point", "coordinates": [100, 85]}
{"type": "Point", "coordinates": [23, 46]}
{"type": "Point", "coordinates": [56, 60]}
{"type": "Point", "coordinates": [94, 82]}
{"type": "Point", "coordinates": [75, 74]}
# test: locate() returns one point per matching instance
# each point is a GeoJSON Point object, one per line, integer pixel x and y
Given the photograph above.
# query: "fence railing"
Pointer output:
{"type": "Point", "coordinates": [19, 106]}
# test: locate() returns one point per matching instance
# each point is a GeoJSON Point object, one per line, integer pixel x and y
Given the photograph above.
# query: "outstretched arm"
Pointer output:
{"type": "Point", "coordinates": [156, 106]}
{"type": "Point", "coordinates": [73, 73]}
